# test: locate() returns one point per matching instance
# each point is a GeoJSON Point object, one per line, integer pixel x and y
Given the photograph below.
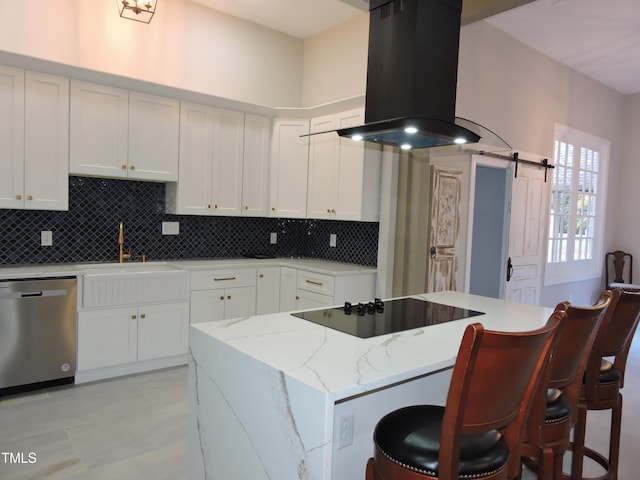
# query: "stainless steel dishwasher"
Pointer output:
{"type": "Point", "coordinates": [37, 333]}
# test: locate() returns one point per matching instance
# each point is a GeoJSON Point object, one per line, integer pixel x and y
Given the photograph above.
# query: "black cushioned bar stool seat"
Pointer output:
{"type": "Point", "coordinates": [410, 437]}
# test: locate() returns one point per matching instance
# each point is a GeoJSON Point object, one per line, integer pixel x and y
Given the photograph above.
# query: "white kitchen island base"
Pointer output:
{"type": "Point", "coordinates": [276, 397]}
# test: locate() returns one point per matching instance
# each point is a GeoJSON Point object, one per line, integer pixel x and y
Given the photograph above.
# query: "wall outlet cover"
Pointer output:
{"type": "Point", "coordinates": [46, 238]}
{"type": "Point", "coordinates": [333, 238]}
{"type": "Point", "coordinates": [274, 238]}
{"type": "Point", "coordinates": [170, 228]}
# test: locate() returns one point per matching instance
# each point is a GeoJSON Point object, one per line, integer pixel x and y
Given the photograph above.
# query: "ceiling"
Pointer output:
{"type": "Point", "coordinates": [596, 37]}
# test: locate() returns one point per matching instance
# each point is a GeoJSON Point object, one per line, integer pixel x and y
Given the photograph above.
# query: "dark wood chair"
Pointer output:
{"type": "Point", "coordinates": [479, 432]}
{"type": "Point", "coordinates": [603, 382]}
{"type": "Point", "coordinates": [618, 268]}
{"type": "Point", "coordinates": [554, 408]}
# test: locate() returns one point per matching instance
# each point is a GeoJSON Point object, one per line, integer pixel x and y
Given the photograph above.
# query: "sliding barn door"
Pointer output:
{"type": "Point", "coordinates": [526, 236]}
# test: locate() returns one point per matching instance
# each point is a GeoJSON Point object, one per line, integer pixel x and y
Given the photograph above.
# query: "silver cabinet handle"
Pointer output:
{"type": "Point", "coordinates": [223, 279]}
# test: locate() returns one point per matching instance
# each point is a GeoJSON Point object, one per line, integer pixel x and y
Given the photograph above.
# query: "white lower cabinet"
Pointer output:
{"type": "Point", "coordinates": [268, 290]}
{"type": "Point", "coordinates": [222, 294]}
{"type": "Point", "coordinates": [304, 289]}
{"type": "Point", "coordinates": [117, 336]}
{"type": "Point", "coordinates": [223, 303]}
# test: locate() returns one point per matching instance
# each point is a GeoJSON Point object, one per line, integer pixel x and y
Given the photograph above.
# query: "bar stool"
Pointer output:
{"type": "Point", "coordinates": [553, 413]}
{"type": "Point", "coordinates": [479, 431]}
{"type": "Point", "coordinates": [603, 382]}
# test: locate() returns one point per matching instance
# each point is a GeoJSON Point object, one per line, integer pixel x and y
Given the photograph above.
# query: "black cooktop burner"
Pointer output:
{"type": "Point", "coordinates": [378, 318]}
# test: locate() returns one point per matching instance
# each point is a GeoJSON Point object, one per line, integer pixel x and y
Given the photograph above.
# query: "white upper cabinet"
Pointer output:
{"type": "Point", "coordinates": [289, 168]}
{"type": "Point", "coordinates": [211, 162]}
{"type": "Point", "coordinates": [11, 137]}
{"type": "Point", "coordinates": [344, 175]}
{"type": "Point", "coordinates": [34, 140]}
{"type": "Point", "coordinates": [228, 154]}
{"type": "Point", "coordinates": [98, 130]}
{"type": "Point", "coordinates": [255, 175]}
{"type": "Point", "coordinates": [153, 137]}
{"type": "Point", "coordinates": [121, 134]}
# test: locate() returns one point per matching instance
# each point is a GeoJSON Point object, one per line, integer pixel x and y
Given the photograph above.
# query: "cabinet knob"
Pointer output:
{"type": "Point", "coordinates": [273, 209]}
{"type": "Point", "coordinates": [133, 317]}
{"type": "Point", "coordinates": [228, 297]}
{"type": "Point", "coordinates": [262, 275]}
{"type": "Point", "coordinates": [222, 297]}
{"type": "Point", "coordinates": [29, 197]}
{"type": "Point", "coordinates": [123, 167]}
{"type": "Point", "coordinates": [333, 210]}
{"type": "Point", "coordinates": [246, 207]}
{"type": "Point", "coordinates": [215, 206]}
{"type": "Point", "coordinates": [18, 197]}
{"type": "Point", "coordinates": [328, 210]}
{"type": "Point", "coordinates": [208, 205]}
{"type": "Point", "coordinates": [143, 316]}
{"type": "Point", "coordinates": [132, 167]}
{"type": "Point", "coordinates": [297, 297]}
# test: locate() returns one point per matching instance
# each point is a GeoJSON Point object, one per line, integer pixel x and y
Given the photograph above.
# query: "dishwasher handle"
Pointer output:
{"type": "Point", "coordinates": [34, 294]}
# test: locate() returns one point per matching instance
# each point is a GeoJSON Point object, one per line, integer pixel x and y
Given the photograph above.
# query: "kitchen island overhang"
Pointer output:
{"type": "Point", "coordinates": [275, 396]}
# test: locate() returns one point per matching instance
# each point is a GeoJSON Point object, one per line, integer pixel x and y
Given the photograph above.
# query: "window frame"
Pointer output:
{"type": "Point", "coordinates": [573, 270]}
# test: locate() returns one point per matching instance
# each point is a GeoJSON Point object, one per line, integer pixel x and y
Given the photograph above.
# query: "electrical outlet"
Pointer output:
{"type": "Point", "coordinates": [333, 238]}
{"type": "Point", "coordinates": [274, 238]}
{"type": "Point", "coordinates": [170, 228]}
{"type": "Point", "coordinates": [346, 430]}
{"type": "Point", "coordinates": [46, 238]}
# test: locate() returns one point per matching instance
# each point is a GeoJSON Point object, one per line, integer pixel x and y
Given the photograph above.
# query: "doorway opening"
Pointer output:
{"type": "Point", "coordinates": [490, 231]}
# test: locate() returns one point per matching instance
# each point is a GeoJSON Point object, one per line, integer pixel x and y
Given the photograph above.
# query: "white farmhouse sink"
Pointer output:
{"type": "Point", "coordinates": [126, 268]}
{"type": "Point", "coordinates": [116, 284]}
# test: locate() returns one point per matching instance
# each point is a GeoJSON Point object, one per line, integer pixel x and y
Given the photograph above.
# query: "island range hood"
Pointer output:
{"type": "Point", "coordinates": [412, 76]}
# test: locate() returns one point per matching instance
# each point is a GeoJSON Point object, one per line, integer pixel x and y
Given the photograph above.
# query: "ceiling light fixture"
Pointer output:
{"type": "Point", "coordinates": [138, 10]}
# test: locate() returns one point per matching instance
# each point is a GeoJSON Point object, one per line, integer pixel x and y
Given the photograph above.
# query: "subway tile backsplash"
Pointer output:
{"type": "Point", "coordinates": [88, 232]}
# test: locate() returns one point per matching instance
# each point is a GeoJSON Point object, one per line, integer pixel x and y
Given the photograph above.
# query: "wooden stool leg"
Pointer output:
{"type": "Point", "coordinates": [578, 443]}
{"type": "Point", "coordinates": [370, 473]}
{"type": "Point", "coordinates": [614, 445]}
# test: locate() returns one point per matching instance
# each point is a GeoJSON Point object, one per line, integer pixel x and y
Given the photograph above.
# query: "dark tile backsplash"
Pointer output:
{"type": "Point", "coordinates": [88, 232]}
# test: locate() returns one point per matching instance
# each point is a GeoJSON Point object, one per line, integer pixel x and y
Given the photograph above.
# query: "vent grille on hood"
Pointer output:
{"type": "Point", "coordinates": [412, 75]}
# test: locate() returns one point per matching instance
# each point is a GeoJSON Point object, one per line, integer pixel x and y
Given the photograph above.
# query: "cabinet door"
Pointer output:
{"type": "Point", "coordinates": [46, 142]}
{"type": "Point", "coordinates": [289, 169]}
{"type": "Point", "coordinates": [11, 137]}
{"type": "Point", "coordinates": [255, 172]}
{"type": "Point", "coordinates": [323, 162]}
{"type": "Point", "coordinates": [350, 181]}
{"type": "Point", "coordinates": [192, 193]}
{"type": "Point", "coordinates": [163, 330]}
{"type": "Point", "coordinates": [107, 337]}
{"type": "Point", "coordinates": [228, 147]}
{"type": "Point", "coordinates": [240, 302]}
{"type": "Point", "coordinates": [153, 137]}
{"type": "Point", "coordinates": [268, 290]}
{"type": "Point", "coordinates": [207, 305]}
{"type": "Point", "coordinates": [98, 130]}
{"type": "Point", "coordinates": [288, 287]}
{"type": "Point", "coordinates": [309, 300]}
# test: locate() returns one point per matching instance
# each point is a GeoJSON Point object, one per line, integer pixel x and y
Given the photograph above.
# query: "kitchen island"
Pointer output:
{"type": "Point", "coordinates": [279, 397]}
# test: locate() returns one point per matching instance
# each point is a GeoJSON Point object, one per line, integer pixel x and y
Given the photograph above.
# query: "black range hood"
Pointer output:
{"type": "Point", "coordinates": [412, 76]}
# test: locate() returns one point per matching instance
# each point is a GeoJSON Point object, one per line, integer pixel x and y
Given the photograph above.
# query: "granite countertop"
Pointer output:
{"type": "Point", "coordinates": [9, 272]}
{"type": "Point", "coordinates": [341, 365]}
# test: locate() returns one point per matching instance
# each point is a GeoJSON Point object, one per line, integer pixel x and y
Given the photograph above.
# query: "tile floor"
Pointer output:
{"type": "Point", "coordinates": [135, 428]}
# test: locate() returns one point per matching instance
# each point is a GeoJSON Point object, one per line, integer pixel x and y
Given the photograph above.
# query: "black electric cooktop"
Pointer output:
{"type": "Point", "coordinates": [379, 318]}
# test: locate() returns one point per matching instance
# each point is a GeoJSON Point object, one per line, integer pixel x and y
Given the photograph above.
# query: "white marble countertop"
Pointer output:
{"type": "Point", "coordinates": [343, 366]}
{"type": "Point", "coordinates": [8, 272]}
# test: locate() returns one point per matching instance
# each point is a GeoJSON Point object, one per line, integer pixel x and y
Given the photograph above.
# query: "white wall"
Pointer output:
{"type": "Point", "coordinates": [520, 93]}
{"type": "Point", "coordinates": [185, 46]}
{"type": "Point", "coordinates": [335, 62]}
{"type": "Point", "coordinates": [627, 186]}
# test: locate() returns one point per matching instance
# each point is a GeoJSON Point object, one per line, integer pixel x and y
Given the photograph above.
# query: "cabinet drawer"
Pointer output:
{"type": "Point", "coordinates": [315, 282]}
{"type": "Point", "coordinates": [213, 279]}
